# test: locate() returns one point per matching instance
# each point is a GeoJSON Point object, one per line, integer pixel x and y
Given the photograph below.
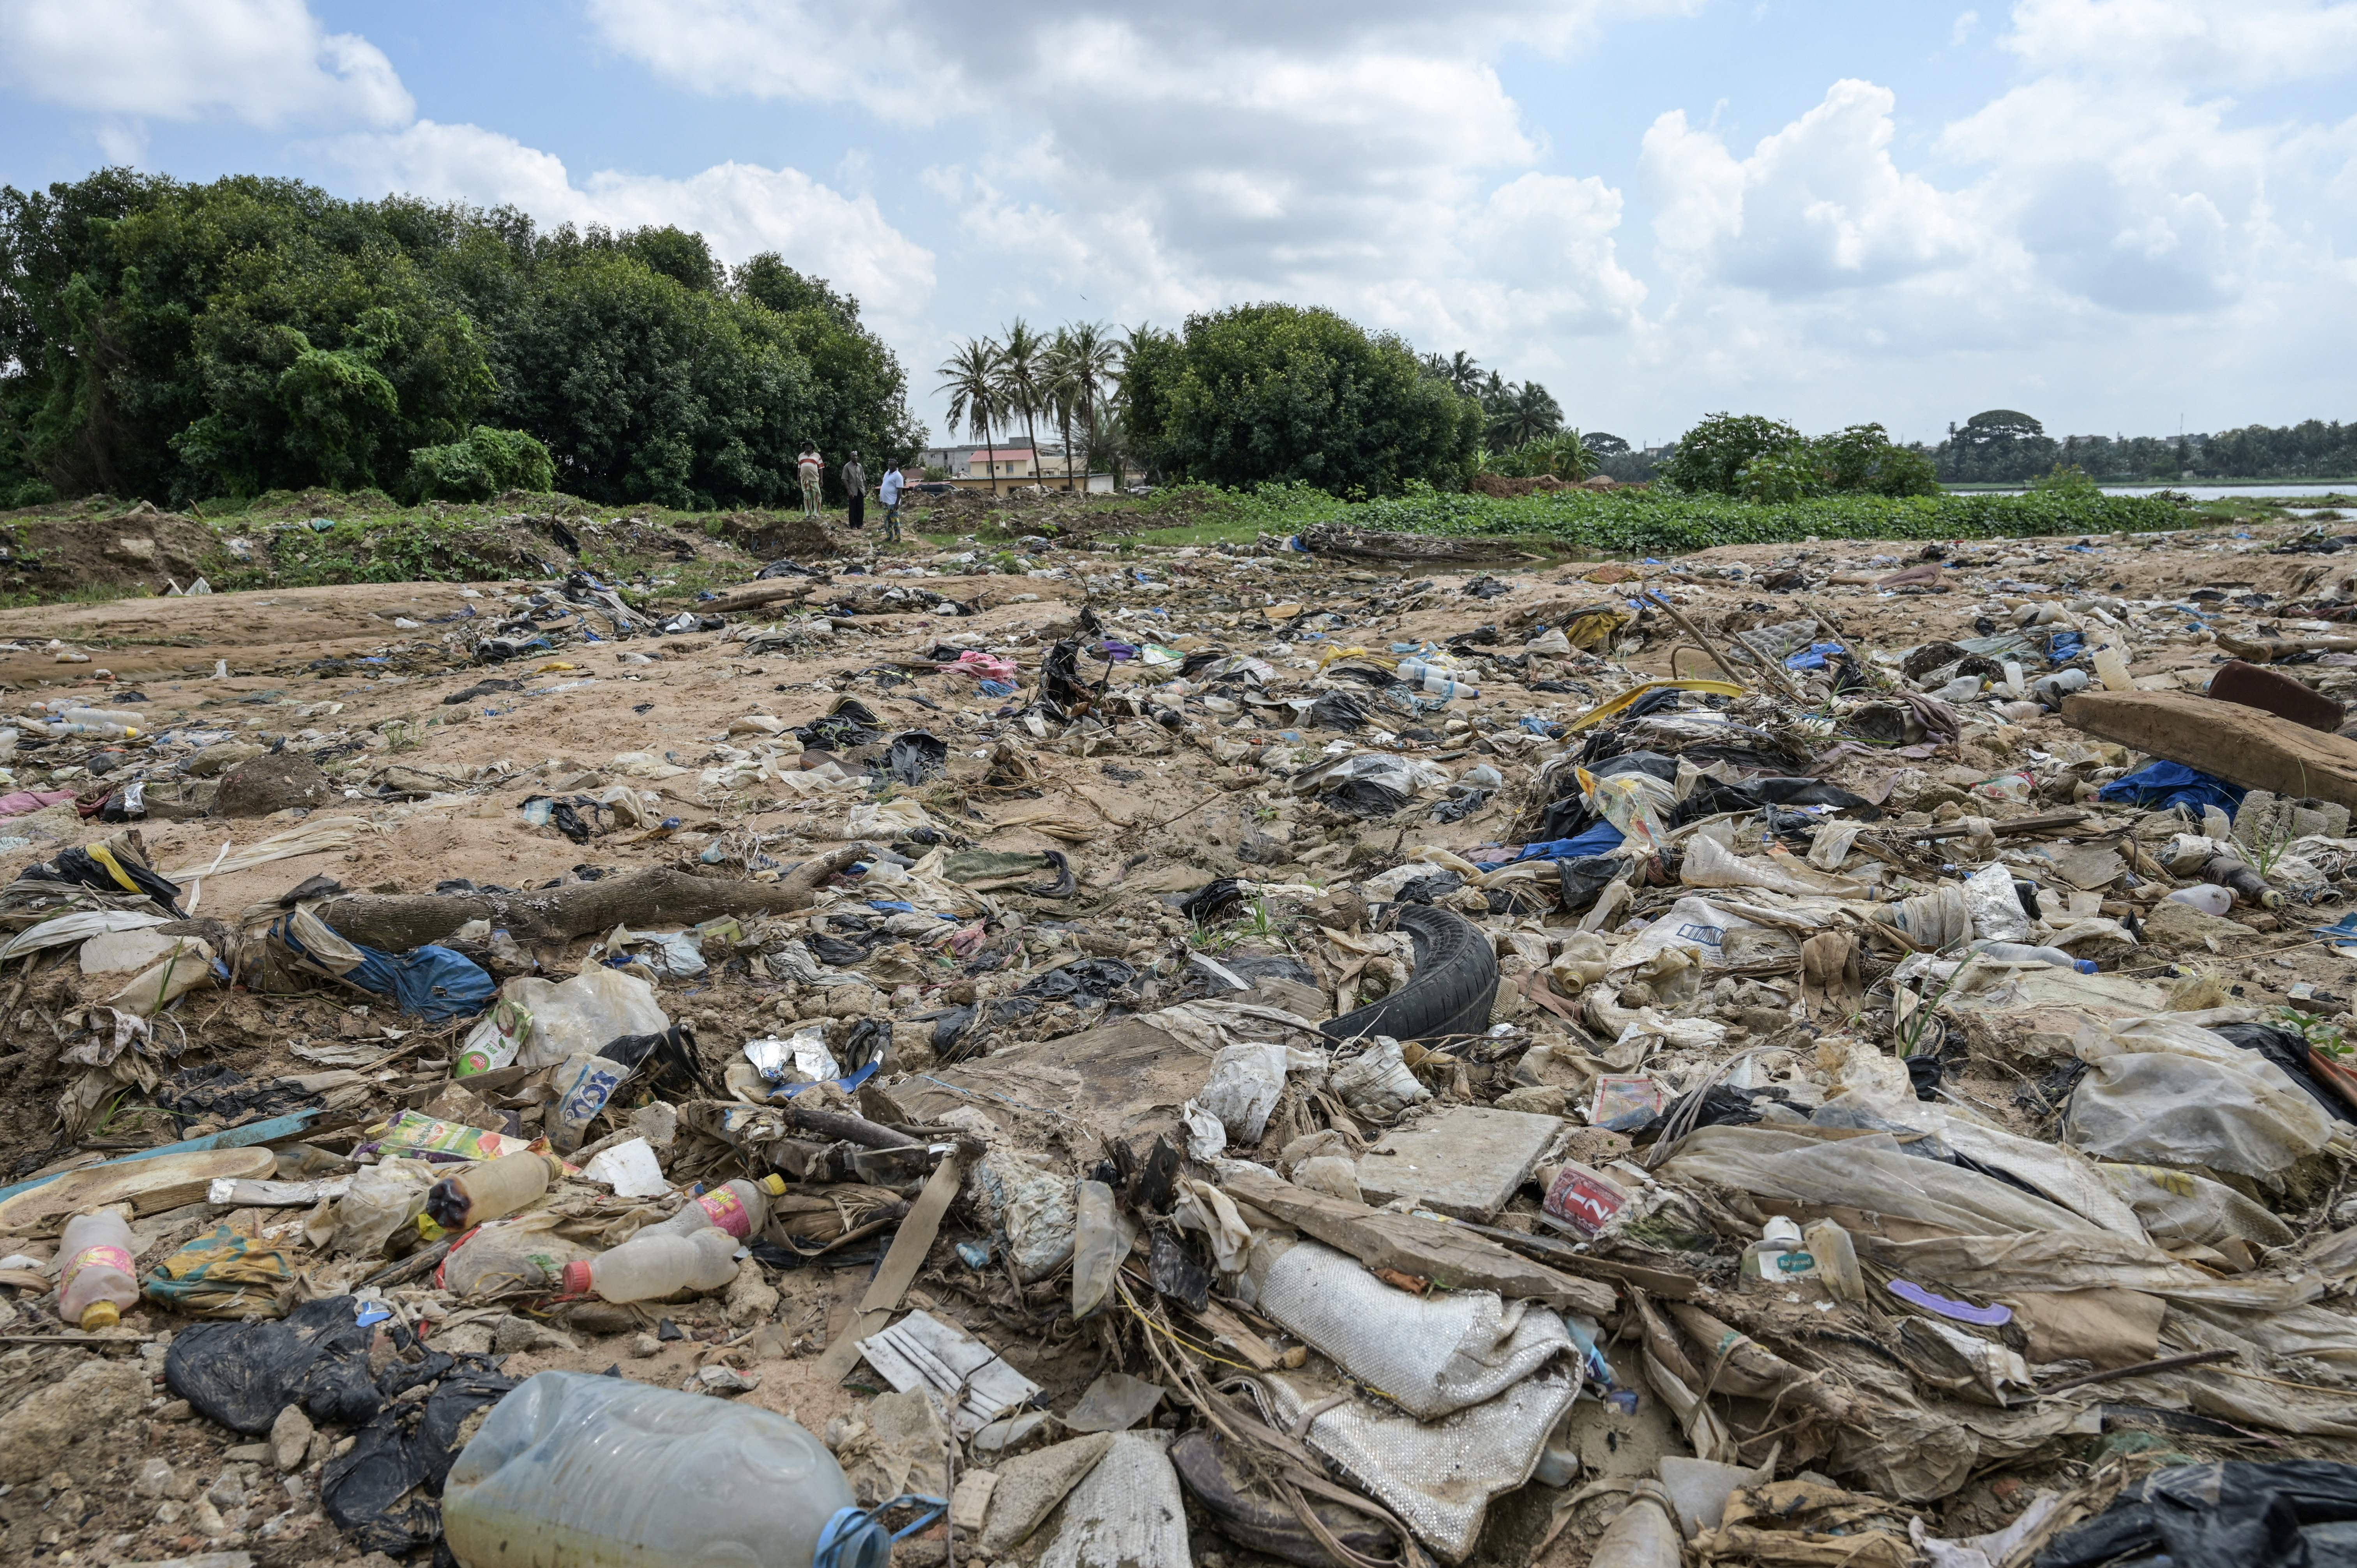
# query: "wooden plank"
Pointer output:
{"type": "Point", "coordinates": [1448, 1255]}
{"type": "Point", "coordinates": [2240, 745]}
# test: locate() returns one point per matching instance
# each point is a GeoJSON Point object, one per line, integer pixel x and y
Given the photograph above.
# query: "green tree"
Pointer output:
{"type": "Point", "coordinates": [1861, 460]}
{"type": "Point", "coordinates": [1278, 394]}
{"type": "Point", "coordinates": [1711, 456]}
{"type": "Point", "coordinates": [970, 379]}
{"type": "Point", "coordinates": [1524, 413]}
{"type": "Point", "coordinates": [1079, 360]}
{"type": "Point", "coordinates": [487, 463]}
{"type": "Point", "coordinates": [1151, 360]}
{"type": "Point", "coordinates": [1022, 382]}
{"type": "Point", "coordinates": [1996, 446]}
{"type": "Point", "coordinates": [859, 393]}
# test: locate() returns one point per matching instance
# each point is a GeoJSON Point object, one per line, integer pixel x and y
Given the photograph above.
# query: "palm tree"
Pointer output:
{"type": "Point", "coordinates": [1078, 363]}
{"type": "Point", "coordinates": [1109, 441]}
{"type": "Point", "coordinates": [1021, 378]}
{"type": "Point", "coordinates": [1524, 413]}
{"type": "Point", "coordinates": [1462, 373]}
{"type": "Point", "coordinates": [969, 377]}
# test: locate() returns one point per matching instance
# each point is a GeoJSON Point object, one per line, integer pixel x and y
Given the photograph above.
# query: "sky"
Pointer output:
{"type": "Point", "coordinates": [2120, 216]}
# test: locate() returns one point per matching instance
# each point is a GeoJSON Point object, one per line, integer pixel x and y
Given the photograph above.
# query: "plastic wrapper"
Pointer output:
{"type": "Point", "coordinates": [1996, 908]}
{"type": "Point", "coordinates": [495, 1041]}
{"type": "Point", "coordinates": [583, 1013]}
{"type": "Point", "coordinates": [1243, 1088]}
{"type": "Point", "coordinates": [1377, 1080]}
{"type": "Point", "coordinates": [381, 1199]}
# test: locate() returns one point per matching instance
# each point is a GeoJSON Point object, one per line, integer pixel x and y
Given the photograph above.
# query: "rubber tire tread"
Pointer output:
{"type": "Point", "coordinates": [1451, 993]}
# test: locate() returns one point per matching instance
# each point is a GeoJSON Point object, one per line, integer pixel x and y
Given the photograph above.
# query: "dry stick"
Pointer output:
{"type": "Point", "coordinates": [2166, 1364]}
{"type": "Point", "coordinates": [1774, 676]}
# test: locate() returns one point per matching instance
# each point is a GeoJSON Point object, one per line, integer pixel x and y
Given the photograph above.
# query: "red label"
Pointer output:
{"type": "Point", "coordinates": [727, 1211]}
{"type": "Point", "coordinates": [98, 1258]}
{"type": "Point", "coordinates": [1586, 1203]}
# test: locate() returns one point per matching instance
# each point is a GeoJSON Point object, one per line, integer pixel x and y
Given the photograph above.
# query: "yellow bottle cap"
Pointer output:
{"type": "Point", "coordinates": [100, 1315]}
{"type": "Point", "coordinates": [774, 1185]}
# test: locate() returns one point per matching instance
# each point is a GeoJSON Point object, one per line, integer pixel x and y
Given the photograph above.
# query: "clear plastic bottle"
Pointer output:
{"type": "Point", "coordinates": [2206, 896]}
{"type": "Point", "coordinates": [1436, 681]}
{"type": "Point", "coordinates": [575, 1471]}
{"type": "Point", "coordinates": [65, 729]}
{"type": "Point", "coordinates": [653, 1264]}
{"type": "Point", "coordinates": [2112, 669]}
{"type": "Point", "coordinates": [80, 715]}
{"type": "Point", "coordinates": [2051, 689]}
{"type": "Point", "coordinates": [2022, 952]}
{"type": "Point", "coordinates": [741, 1207]}
{"type": "Point", "coordinates": [98, 1273]}
{"type": "Point", "coordinates": [491, 1190]}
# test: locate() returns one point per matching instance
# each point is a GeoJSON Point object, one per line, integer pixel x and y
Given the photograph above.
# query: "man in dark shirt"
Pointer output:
{"type": "Point", "coordinates": [854, 491]}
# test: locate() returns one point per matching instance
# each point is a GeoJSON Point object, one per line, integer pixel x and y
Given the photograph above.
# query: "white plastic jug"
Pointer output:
{"type": "Point", "coordinates": [575, 1471]}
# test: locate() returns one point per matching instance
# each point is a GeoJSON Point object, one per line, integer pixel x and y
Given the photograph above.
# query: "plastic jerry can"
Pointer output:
{"type": "Point", "coordinates": [575, 1471]}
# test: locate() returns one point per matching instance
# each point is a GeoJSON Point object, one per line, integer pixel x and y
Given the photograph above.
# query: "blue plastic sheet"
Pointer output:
{"type": "Point", "coordinates": [2065, 646]}
{"type": "Point", "coordinates": [2160, 785]}
{"type": "Point", "coordinates": [1598, 840]}
{"type": "Point", "coordinates": [429, 983]}
{"type": "Point", "coordinates": [1814, 658]}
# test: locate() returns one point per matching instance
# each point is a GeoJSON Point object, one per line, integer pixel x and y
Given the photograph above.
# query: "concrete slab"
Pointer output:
{"type": "Point", "coordinates": [1465, 1162]}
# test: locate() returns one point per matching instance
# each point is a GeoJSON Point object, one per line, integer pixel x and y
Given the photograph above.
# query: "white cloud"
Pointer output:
{"type": "Point", "coordinates": [2205, 44]}
{"type": "Point", "coordinates": [265, 62]}
{"type": "Point", "coordinates": [1818, 206]}
{"type": "Point", "coordinates": [741, 208]}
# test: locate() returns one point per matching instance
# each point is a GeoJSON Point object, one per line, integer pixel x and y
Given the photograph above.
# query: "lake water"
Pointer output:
{"type": "Point", "coordinates": [2219, 492]}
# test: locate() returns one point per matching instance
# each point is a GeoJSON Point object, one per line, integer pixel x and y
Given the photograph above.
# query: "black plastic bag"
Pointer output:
{"type": "Point", "coordinates": [1175, 1273]}
{"type": "Point", "coordinates": [1459, 807]}
{"type": "Point", "coordinates": [385, 1491]}
{"type": "Point", "coordinates": [2288, 1048]}
{"type": "Point", "coordinates": [1338, 710]}
{"type": "Point", "coordinates": [1208, 903]}
{"type": "Point", "coordinates": [2239, 1514]}
{"type": "Point", "coordinates": [566, 820]}
{"type": "Point", "coordinates": [1098, 979]}
{"type": "Point", "coordinates": [916, 756]}
{"type": "Point", "coordinates": [1583, 881]}
{"type": "Point", "coordinates": [242, 1375]}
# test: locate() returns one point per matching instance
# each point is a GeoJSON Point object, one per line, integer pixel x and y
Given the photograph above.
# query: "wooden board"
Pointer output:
{"type": "Point", "coordinates": [2240, 745]}
{"type": "Point", "coordinates": [151, 1186]}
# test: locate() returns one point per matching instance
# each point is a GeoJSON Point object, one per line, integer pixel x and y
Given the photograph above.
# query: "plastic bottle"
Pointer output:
{"type": "Point", "coordinates": [2051, 689]}
{"type": "Point", "coordinates": [575, 1471]}
{"type": "Point", "coordinates": [80, 715]}
{"type": "Point", "coordinates": [2112, 669]}
{"type": "Point", "coordinates": [1837, 1258]}
{"type": "Point", "coordinates": [98, 1274]}
{"type": "Point", "coordinates": [1436, 681]}
{"type": "Point", "coordinates": [653, 1264]}
{"type": "Point", "coordinates": [2206, 896]}
{"type": "Point", "coordinates": [491, 1190]}
{"type": "Point", "coordinates": [2245, 881]}
{"type": "Point", "coordinates": [739, 1208]}
{"type": "Point", "coordinates": [507, 1255]}
{"type": "Point", "coordinates": [65, 730]}
{"type": "Point", "coordinates": [2022, 952]}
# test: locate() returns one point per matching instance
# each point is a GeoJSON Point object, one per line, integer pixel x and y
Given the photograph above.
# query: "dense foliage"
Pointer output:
{"type": "Point", "coordinates": [176, 342]}
{"type": "Point", "coordinates": [1274, 393]}
{"type": "Point", "coordinates": [487, 462]}
{"type": "Point", "coordinates": [1768, 460]}
{"type": "Point", "coordinates": [2004, 446]}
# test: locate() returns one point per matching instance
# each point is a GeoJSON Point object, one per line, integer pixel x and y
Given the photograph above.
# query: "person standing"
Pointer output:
{"type": "Point", "coordinates": [888, 492]}
{"type": "Point", "coordinates": [855, 492]}
{"type": "Point", "coordinates": [810, 468]}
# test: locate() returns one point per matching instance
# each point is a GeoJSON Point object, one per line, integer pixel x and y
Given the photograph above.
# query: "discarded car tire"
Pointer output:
{"type": "Point", "coordinates": [1455, 984]}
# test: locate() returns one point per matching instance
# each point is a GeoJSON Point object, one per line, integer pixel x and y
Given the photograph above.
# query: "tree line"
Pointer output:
{"type": "Point", "coordinates": [179, 342]}
{"type": "Point", "coordinates": [2004, 446]}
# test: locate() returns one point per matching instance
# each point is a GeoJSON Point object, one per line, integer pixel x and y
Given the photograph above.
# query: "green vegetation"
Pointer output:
{"type": "Point", "coordinates": [1768, 460]}
{"type": "Point", "coordinates": [1276, 393]}
{"type": "Point", "coordinates": [175, 342]}
{"type": "Point", "coordinates": [2004, 445]}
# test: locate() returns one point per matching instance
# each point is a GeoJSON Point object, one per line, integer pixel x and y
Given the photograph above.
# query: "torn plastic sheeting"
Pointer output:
{"type": "Point", "coordinates": [2160, 1109]}
{"type": "Point", "coordinates": [1720, 935]}
{"type": "Point", "coordinates": [1870, 1173]}
{"type": "Point", "coordinates": [2159, 785]}
{"type": "Point", "coordinates": [1438, 1477]}
{"type": "Point", "coordinates": [80, 925]}
{"type": "Point", "coordinates": [922, 1352]}
{"type": "Point", "coordinates": [1430, 1355]}
{"type": "Point", "coordinates": [1996, 906]}
{"type": "Point", "coordinates": [1245, 1082]}
{"type": "Point", "coordinates": [1710, 863]}
{"type": "Point", "coordinates": [582, 1015]}
{"type": "Point", "coordinates": [2238, 1514]}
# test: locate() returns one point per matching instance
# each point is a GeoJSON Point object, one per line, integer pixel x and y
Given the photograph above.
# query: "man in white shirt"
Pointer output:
{"type": "Point", "coordinates": [888, 492]}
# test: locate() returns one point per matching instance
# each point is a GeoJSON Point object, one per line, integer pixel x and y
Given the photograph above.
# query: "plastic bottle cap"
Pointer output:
{"type": "Point", "coordinates": [1779, 1229]}
{"type": "Point", "coordinates": [774, 1185]}
{"type": "Point", "coordinates": [100, 1315]}
{"type": "Point", "coordinates": [575, 1278]}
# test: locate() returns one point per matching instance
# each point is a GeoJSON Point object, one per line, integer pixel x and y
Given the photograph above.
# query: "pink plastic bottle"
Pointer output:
{"type": "Point", "coordinates": [97, 1270]}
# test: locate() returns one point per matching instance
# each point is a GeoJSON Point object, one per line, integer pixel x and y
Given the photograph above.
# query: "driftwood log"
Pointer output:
{"type": "Point", "coordinates": [398, 922]}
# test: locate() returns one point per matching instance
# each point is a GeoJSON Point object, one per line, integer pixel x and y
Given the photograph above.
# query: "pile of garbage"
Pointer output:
{"type": "Point", "coordinates": [1783, 1056]}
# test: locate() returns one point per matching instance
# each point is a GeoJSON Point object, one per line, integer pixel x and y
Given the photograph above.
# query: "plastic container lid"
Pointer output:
{"type": "Point", "coordinates": [1779, 1229]}
{"type": "Point", "coordinates": [100, 1315]}
{"type": "Point", "coordinates": [574, 1281]}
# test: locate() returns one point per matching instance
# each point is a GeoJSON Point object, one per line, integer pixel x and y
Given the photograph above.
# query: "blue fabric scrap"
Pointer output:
{"type": "Point", "coordinates": [2159, 785]}
{"type": "Point", "coordinates": [1814, 657]}
{"type": "Point", "coordinates": [1601, 838]}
